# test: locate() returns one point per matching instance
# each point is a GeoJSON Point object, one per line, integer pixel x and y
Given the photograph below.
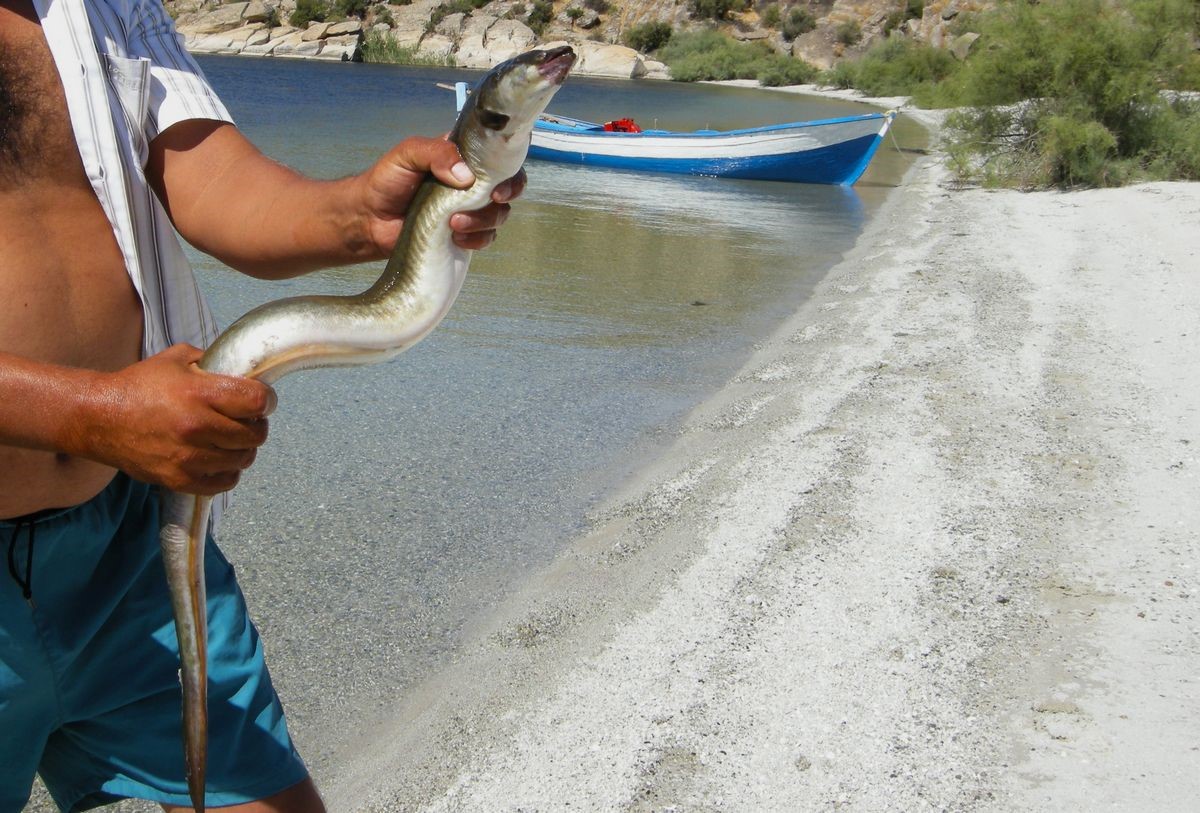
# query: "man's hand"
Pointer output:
{"type": "Point", "coordinates": [389, 186]}
{"type": "Point", "coordinates": [165, 421]}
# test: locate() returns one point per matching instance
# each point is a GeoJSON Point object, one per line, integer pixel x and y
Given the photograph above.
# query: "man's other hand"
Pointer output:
{"type": "Point", "coordinates": [165, 421]}
{"type": "Point", "coordinates": [389, 186]}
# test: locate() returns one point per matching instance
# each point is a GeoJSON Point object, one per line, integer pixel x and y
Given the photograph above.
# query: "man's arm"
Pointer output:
{"type": "Point", "coordinates": [264, 219]}
{"type": "Point", "coordinates": [161, 420]}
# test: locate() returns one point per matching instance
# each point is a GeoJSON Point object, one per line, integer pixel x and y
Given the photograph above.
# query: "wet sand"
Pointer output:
{"type": "Point", "coordinates": [934, 547]}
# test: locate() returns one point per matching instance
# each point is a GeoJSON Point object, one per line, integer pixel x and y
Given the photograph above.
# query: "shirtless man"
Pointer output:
{"type": "Point", "coordinates": [92, 421]}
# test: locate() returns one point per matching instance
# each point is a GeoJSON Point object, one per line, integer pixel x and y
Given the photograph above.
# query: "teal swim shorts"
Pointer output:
{"type": "Point", "coordinates": [89, 689]}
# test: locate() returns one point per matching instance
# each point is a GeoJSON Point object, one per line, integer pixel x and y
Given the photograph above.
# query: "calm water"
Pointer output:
{"type": "Point", "coordinates": [393, 503]}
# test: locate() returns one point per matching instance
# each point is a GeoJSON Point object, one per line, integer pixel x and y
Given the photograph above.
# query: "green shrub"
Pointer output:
{"type": "Point", "coordinates": [709, 55]}
{"type": "Point", "coordinates": [383, 14]}
{"type": "Point", "coordinates": [539, 16]}
{"type": "Point", "coordinates": [648, 37]}
{"type": "Point", "coordinates": [518, 9]}
{"type": "Point", "coordinates": [771, 16]}
{"type": "Point", "coordinates": [781, 70]}
{"type": "Point", "coordinates": [895, 67]}
{"type": "Point", "coordinates": [379, 47]}
{"type": "Point", "coordinates": [848, 33]}
{"type": "Point", "coordinates": [715, 9]}
{"type": "Point", "coordinates": [798, 21]}
{"type": "Point", "coordinates": [1066, 93]}
{"type": "Point", "coordinates": [842, 75]}
{"type": "Point", "coordinates": [308, 11]}
{"type": "Point", "coordinates": [350, 8]}
{"type": "Point", "coordinates": [445, 9]}
{"type": "Point", "coordinates": [573, 14]}
{"type": "Point", "coordinates": [1076, 151]}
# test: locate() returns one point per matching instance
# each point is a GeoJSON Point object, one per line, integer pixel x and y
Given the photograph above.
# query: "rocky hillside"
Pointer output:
{"type": "Point", "coordinates": [821, 32]}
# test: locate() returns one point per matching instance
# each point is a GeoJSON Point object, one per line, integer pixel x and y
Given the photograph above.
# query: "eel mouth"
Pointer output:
{"type": "Point", "coordinates": [557, 64]}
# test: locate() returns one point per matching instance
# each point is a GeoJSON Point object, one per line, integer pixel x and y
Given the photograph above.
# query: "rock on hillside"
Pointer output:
{"type": "Point", "coordinates": [479, 37]}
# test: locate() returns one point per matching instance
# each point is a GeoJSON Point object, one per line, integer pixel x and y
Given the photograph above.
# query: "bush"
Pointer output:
{"type": "Point", "coordinates": [782, 70]}
{"type": "Point", "coordinates": [598, 6]}
{"type": "Point", "coordinates": [648, 37]}
{"type": "Point", "coordinates": [350, 8]}
{"type": "Point", "coordinates": [539, 16]}
{"type": "Point", "coordinates": [799, 21]}
{"type": "Point", "coordinates": [708, 55]}
{"type": "Point", "coordinates": [771, 16]}
{"type": "Point", "coordinates": [895, 67]}
{"type": "Point", "coordinates": [848, 33]}
{"type": "Point", "coordinates": [444, 10]}
{"type": "Point", "coordinates": [573, 14]}
{"type": "Point", "coordinates": [1066, 93]}
{"type": "Point", "coordinates": [383, 14]}
{"type": "Point", "coordinates": [379, 47]}
{"type": "Point", "coordinates": [308, 11]}
{"type": "Point", "coordinates": [714, 9]}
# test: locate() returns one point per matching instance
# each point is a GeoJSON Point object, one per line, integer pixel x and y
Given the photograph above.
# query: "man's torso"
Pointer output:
{"type": "Point", "coordinates": [66, 296]}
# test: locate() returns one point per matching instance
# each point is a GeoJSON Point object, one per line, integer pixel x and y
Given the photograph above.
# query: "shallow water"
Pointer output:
{"type": "Point", "coordinates": [394, 503]}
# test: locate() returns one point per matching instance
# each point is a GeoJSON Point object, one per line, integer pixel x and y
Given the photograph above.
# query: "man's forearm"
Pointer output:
{"type": "Point", "coordinates": [42, 406]}
{"type": "Point", "coordinates": [229, 200]}
{"type": "Point", "coordinates": [255, 215]}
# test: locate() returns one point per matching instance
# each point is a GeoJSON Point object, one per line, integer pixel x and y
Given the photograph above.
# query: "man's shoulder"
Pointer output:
{"type": "Point", "coordinates": [128, 12]}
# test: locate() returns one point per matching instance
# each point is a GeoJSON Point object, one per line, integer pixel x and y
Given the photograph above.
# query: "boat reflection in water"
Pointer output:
{"type": "Point", "coordinates": [783, 218]}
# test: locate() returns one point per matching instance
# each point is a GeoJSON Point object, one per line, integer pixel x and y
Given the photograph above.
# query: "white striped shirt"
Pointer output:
{"type": "Point", "coordinates": [127, 78]}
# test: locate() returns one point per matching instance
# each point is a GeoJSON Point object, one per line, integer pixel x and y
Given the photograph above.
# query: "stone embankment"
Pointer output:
{"type": "Point", "coordinates": [478, 40]}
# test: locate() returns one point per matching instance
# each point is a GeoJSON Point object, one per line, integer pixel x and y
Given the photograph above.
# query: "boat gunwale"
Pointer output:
{"type": "Point", "coordinates": [550, 123]}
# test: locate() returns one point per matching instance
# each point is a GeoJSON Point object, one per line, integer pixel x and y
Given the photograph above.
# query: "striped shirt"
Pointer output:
{"type": "Point", "coordinates": [127, 78]}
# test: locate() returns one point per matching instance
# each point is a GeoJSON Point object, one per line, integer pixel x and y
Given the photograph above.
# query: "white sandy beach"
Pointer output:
{"type": "Point", "coordinates": [935, 547]}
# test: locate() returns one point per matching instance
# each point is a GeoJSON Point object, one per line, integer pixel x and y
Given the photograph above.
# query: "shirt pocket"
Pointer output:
{"type": "Point", "coordinates": [129, 79]}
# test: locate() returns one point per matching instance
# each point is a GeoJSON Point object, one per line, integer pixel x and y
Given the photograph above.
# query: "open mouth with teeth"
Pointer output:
{"type": "Point", "coordinates": [556, 64]}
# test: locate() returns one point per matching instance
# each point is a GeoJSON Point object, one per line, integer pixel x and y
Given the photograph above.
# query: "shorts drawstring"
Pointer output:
{"type": "Point", "coordinates": [25, 584]}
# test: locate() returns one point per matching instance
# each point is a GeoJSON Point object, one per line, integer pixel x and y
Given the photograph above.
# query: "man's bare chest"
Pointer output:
{"type": "Point", "coordinates": [36, 141]}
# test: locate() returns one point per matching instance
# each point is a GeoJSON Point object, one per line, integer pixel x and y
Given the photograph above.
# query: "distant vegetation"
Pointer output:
{"type": "Point", "coordinates": [444, 10]}
{"type": "Point", "coordinates": [798, 21]}
{"type": "Point", "coordinates": [540, 15]}
{"type": "Point", "coordinates": [308, 11]}
{"type": "Point", "coordinates": [379, 47]}
{"type": "Point", "coordinates": [896, 67]}
{"type": "Point", "coordinates": [1058, 93]}
{"type": "Point", "coordinates": [648, 37]}
{"type": "Point", "coordinates": [715, 9]}
{"type": "Point", "coordinates": [709, 55]}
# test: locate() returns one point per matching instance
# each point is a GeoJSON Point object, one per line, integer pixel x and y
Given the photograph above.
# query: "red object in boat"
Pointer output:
{"type": "Point", "coordinates": [622, 126]}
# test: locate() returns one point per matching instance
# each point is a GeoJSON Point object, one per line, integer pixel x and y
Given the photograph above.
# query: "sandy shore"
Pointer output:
{"type": "Point", "coordinates": [934, 547]}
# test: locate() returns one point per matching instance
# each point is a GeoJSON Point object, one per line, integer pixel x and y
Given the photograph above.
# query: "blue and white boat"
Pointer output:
{"type": "Point", "coordinates": [829, 151]}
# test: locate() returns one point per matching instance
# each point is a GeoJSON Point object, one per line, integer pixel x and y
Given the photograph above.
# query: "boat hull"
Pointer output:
{"type": "Point", "coordinates": [834, 151]}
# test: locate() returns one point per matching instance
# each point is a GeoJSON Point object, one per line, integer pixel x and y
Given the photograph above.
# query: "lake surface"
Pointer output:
{"type": "Point", "coordinates": [394, 503]}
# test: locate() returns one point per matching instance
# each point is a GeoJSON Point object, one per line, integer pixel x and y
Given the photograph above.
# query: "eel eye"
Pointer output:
{"type": "Point", "coordinates": [491, 119]}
